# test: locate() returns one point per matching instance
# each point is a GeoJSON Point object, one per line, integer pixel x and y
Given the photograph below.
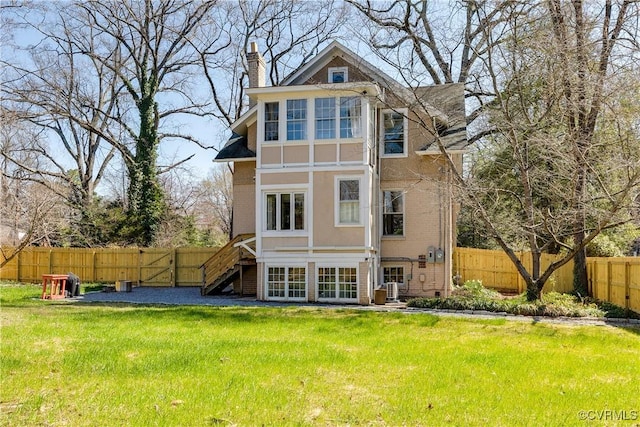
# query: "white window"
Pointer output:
{"type": "Point", "coordinates": [325, 118]}
{"type": "Point", "coordinates": [393, 213]}
{"type": "Point", "coordinates": [271, 121]}
{"type": "Point", "coordinates": [394, 132]}
{"type": "Point", "coordinates": [348, 201]}
{"type": "Point", "coordinates": [393, 274]}
{"type": "Point", "coordinates": [287, 283]}
{"type": "Point", "coordinates": [340, 283]}
{"type": "Point", "coordinates": [348, 117]}
{"type": "Point", "coordinates": [296, 119]}
{"type": "Point", "coordinates": [338, 74]}
{"type": "Point", "coordinates": [284, 211]}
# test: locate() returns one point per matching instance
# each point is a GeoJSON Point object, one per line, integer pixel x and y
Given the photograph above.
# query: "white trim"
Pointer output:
{"type": "Point", "coordinates": [439, 153]}
{"type": "Point", "coordinates": [405, 132]}
{"type": "Point", "coordinates": [338, 89]}
{"type": "Point", "coordinates": [279, 191]}
{"type": "Point", "coordinates": [336, 266]}
{"type": "Point", "coordinates": [332, 70]}
{"type": "Point", "coordinates": [286, 266]}
{"type": "Point", "coordinates": [336, 200]}
{"type": "Point", "coordinates": [404, 216]}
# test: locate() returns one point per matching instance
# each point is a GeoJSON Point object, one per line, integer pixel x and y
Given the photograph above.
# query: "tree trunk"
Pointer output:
{"type": "Point", "coordinates": [146, 199]}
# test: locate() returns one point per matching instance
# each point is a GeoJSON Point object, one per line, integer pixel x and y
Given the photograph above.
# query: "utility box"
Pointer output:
{"type": "Point", "coordinates": [439, 255]}
{"type": "Point", "coordinates": [431, 254]}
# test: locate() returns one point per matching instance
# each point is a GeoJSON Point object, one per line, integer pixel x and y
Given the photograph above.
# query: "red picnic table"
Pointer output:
{"type": "Point", "coordinates": [57, 284]}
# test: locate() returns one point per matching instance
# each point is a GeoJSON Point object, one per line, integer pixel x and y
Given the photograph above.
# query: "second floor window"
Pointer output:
{"type": "Point", "coordinates": [296, 119]}
{"type": "Point", "coordinates": [394, 133]}
{"type": "Point", "coordinates": [284, 211]}
{"type": "Point", "coordinates": [325, 118]}
{"type": "Point", "coordinates": [350, 113]}
{"type": "Point", "coordinates": [271, 121]}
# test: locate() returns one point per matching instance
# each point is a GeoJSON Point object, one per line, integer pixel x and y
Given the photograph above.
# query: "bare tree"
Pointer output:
{"type": "Point", "coordinates": [65, 97]}
{"type": "Point", "coordinates": [290, 33]}
{"type": "Point", "coordinates": [29, 211]}
{"type": "Point", "coordinates": [438, 43]}
{"type": "Point", "coordinates": [563, 158]}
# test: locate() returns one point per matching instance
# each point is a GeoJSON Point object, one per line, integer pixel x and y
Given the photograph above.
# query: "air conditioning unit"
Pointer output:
{"type": "Point", "coordinates": [392, 291]}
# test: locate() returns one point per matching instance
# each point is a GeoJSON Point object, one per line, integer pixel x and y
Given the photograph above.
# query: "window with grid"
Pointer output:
{"type": "Point", "coordinates": [325, 113]}
{"type": "Point", "coordinates": [276, 282]}
{"type": "Point", "coordinates": [349, 201]}
{"type": "Point", "coordinates": [296, 119]}
{"type": "Point", "coordinates": [393, 213]}
{"type": "Point", "coordinates": [393, 274]}
{"type": "Point", "coordinates": [347, 283]}
{"type": "Point", "coordinates": [393, 132]}
{"type": "Point", "coordinates": [337, 283]}
{"type": "Point", "coordinates": [297, 282]}
{"type": "Point", "coordinates": [271, 121]}
{"type": "Point", "coordinates": [326, 282]}
{"type": "Point", "coordinates": [284, 211]}
{"type": "Point", "coordinates": [350, 117]}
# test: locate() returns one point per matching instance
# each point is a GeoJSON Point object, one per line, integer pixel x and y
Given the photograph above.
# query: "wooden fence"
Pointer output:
{"type": "Point", "coordinates": [610, 279]}
{"type": "Point", "coordinates": [144, 266]}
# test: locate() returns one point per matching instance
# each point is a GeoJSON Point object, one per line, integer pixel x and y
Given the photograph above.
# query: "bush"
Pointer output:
{"type": "Point", "coordinates": [473, 296]}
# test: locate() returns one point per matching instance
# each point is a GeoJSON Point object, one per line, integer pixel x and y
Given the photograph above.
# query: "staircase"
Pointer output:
{"type": "Point", "coordinates": [226, 264]}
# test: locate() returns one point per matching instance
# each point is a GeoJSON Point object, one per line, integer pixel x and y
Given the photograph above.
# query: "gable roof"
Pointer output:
{"type": "Point", "coordinates": [302, 74]}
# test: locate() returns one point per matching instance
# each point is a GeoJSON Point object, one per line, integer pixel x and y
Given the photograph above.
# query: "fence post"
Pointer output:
{"type": "Point", "coordinates": [609, 268]}
{"type": "Point", "coordinates": [172, 269]}
{"type": "Point", "coordinates": [93, 267]}
{"type": "Point", "coordinates": [18, 266]}
{"type": "Point", "coordinates": [627, 285]}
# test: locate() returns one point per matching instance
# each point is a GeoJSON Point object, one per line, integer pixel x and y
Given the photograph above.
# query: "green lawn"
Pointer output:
{"type": "Point", "coordinates": [114, 365]}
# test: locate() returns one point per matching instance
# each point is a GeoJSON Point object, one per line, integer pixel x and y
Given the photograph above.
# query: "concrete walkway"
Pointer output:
{"type": "Point", "coordinates": [191, 296]}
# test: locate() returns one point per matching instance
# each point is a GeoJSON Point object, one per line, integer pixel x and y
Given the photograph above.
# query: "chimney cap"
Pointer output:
{"type": "Point", "coordinates": [254, 47]}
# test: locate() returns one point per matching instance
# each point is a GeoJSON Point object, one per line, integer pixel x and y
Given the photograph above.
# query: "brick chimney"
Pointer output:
{"type": "Point", "coordinates": [256, 69]}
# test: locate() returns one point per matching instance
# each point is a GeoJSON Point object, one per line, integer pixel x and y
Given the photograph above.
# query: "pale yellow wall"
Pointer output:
{"type": "Point", "coordinates": [425, 282]}
{"type": "Point", "coordinates": [351, 152]}
{"type": "Point", "coordinates": [298, 153]}
{"type": "Point", "coordinates": [363, 284]}
{"type": "Point", "coordinates": [284, 178]}
{"type": "Point", "coordinates": [325, 153]}
{"type": "Point", "coordinates": [325, 233]}
{"type": "Point", "coordinates": [271, 155]}
{"type": "Point", "coordinates": [252, 136]}
{"type": "Point", "coordinates": [270, 243]}
{"type": "Point", "coordinates": [244, 202]}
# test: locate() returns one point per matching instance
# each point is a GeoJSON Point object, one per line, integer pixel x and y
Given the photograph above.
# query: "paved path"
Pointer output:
{"type": "Point", "coordinates": [191, 296]}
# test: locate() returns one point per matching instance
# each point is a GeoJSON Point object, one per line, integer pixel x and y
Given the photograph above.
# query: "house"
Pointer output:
{"type": "Point", "coordinates": [340, 186]}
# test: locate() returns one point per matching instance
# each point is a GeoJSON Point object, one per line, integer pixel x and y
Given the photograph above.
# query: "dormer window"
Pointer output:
{"type": "Point", "coordinates": [338, 74]}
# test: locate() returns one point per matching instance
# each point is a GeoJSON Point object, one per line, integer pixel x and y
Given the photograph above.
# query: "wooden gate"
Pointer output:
{"type": "Point", "coordinates": [157, 267]}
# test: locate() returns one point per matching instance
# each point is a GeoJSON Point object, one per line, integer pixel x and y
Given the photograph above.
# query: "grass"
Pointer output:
{"type": "Point", "coordinates": [87, 365]}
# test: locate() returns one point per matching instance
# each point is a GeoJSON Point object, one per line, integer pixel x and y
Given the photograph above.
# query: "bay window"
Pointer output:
{"type": "Point", "coordinates": [271, 121]}
{"type": "Point", "coordinates": [296, 119]}
{"type": "Point", "coordinates": [348, 117]}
